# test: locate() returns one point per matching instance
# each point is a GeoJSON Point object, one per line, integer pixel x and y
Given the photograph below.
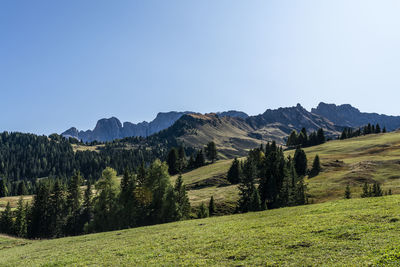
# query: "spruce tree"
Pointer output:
{"type": "Point", "coordinates": [300, 162]}
{"type": "Point", "coordinates": [384, 130]}
{"type": "Point", "coordinates": [57, 203]}
{"type": "Point", "coordinates": [376, 190]}
{"type": "Point", "coordinates": [202, 211]}
{"type": "Point", "coordinates": [21, 190]}
{"type": "Point", "coordinates": [377, 128]}
{"type": "Point", "coordinates": [158, 183]}
{"type": "Point", "coordinates": [74, 194]}
{"type": "Point", "coordinates": [127, 200]}
{"type": "Point", "coordinates": [87, 213]}
{"type": "Point", "coordinates": [234, 172]}
{"type": "Point", "coordinates": [347, 192]}
{"type": "Point", "coordinates": [292, 139]}
{"type": "Point", "coordinates": [211, 152]}
{"type": "Point", "coordinates": [248, 197]}
{"type": "Point", "coordinates": [211, 206]}
{"type": "Point", "coordinates": [316, 167]}
{"type": "Point", "coordinates": [182, 199]}
{"type": "Point", "coordinates": [321, 136]}
{"type": "Point", "coordinates": [199, 162]}
{"type": "Point", "coordinates": [172, 161]}
{"type": "Point", "coordinates": [182, 163]}
{"type": "Point", "coordinates": [3, 188]}
{"type": "Point", "coordinates": [20, 226]}
{"type": "Point", "coordinates": [40, 213]}
{"type": "Point", "coordinates": [6, 221]}
{"type": "Point", "coordinates": [366, 191]}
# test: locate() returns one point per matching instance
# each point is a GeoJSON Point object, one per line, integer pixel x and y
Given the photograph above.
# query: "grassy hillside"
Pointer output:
{"type": "Point", "coordinates": [371, 158]}
{"type": "Point", "coordinates": [355, 232]}
{"type": "Point", "coordinates": [355, 161]}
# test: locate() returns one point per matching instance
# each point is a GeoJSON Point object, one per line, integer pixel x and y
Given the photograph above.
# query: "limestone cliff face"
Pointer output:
{"type": "Point", "coordinates": [111, 129]}
{"type": "Point", "coordinates": [292, 118]}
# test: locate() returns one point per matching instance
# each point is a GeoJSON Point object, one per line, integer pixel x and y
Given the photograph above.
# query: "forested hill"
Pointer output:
{"type": "Point", "coordinates": [28, 156]}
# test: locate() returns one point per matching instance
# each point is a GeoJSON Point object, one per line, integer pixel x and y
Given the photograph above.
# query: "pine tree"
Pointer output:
{"type": "Point", "coordinates": [182, 163]}
{"type": "Point", "coordinates": [211, 206]}
{"type": "Point", "coordinates": [366, 191]}
{"type": "Point", "coordinates": [344, 135]}
{"type": "Point", "coordinates": [347, 192]}
{"type": "Point", "coordinates": [21, 190]}
{"type": "Point", "coordinates": [316, 167]}
{"type": "Point", "coordinates": [321, 136]}
{"type": "Point", "coordinates": [74, 194]}
{"type": "Point", "coordinates": [57, 203]}
{"type": "Point", "coordinates": [169, 207]}
{"type": "Point", "coordinates": [303, 137]}
{"type": "Point", "coordinates": [211, 152]}
{"type": "Point", "coordinates": [158, 183]}
{"type": "Point", "coordinates": [376, 190]}
{"type": "Point", "coordinates": [6, 221]}
{"type": "Point", "coordinates": [202, 212]}
{"type": "Point", "coordinates": [384, 130]}
{"type": "Point", "coordinates": [127, 200]}
{"type": "Point", "coordinates": [172, 161]}
{"type": "Point", "coordinates": [300, 162]}
{"type": "Point", "coordinates": [234, 172]}
{"type": "Point", "coordinates": [20, 226]}
{"type": "Point", "coordinates": [292, 139]}
{"type": "Point", "coordinates": [3, 188]}
{"type": "Point", "coordinates": [377, 128]}
{"type": "Point", "coordinates": [40, 212]}
{"type": "Point", "coordinates": [191, 163]}
{"type": "Point", "coordinates": [248, 197]}
{"type": "Point", "coordinates": [182, 199]}
{"type": "Point", "coordinates": [87, 213]}
{"type": "Point", "coordinates": [199, 162]}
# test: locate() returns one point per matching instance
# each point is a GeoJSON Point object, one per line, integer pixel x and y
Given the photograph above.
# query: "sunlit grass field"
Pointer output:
{"type": "Point", "coordinates": [371, 158]}
{"type": "Point", "coordinates": [355, 232]}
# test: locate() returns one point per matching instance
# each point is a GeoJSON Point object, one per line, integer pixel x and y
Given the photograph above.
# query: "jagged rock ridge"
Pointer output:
{"type": "Point", "coordinates": [349, 116]}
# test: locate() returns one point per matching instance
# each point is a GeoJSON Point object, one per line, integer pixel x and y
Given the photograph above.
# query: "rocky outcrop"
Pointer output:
{"type": "Point", "coordinates": [292, 118]}
{"type": "Point", "coordinates": [111, 129]}
{"type": "Point", "coordinates": [233, 114]}
{"type": "Point", "coordinates": [349, 116]}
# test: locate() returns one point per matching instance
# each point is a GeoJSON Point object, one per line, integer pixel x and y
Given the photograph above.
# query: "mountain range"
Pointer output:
{"type": "Point", "coordinates": [235, 131]}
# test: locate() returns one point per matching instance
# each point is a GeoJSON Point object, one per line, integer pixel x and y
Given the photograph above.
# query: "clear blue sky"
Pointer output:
{"type": "Point", "coordinates": [70, 63]}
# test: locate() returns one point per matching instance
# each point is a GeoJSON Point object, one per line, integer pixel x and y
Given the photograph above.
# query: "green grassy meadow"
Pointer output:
{"type": "Point", "coordinates": [356, 232]}
{"type": "Point", "coordinates": [353, 161]}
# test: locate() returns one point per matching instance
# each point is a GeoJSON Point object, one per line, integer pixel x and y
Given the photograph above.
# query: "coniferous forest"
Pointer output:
{"type": "Point", "coordinates": [64, 209]}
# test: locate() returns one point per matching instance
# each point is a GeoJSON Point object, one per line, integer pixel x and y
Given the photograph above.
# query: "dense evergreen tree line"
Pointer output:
{"type": "Point", "coordinates": [367, 129]}
{"type": "Point", "coordinates": [178, 162]}
{"type": "Point", "coordinates": [269, 180]}
{"type": "Point", "coordinates": [59, 209]}
{"type": "Point", "coordinates": [25, 157]}
{"type": "Point", "coordinates": [302, 139]}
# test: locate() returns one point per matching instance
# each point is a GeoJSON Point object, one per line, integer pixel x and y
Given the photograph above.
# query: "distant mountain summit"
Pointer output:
{"type": "Point", "coordinates": [292, 118]}
{"type": "Point", "coordinates": [349, 116]}
{"type": "Point", "coordinates": [236, 131]}
{"type": "Point", "coordinates": [233, 114]}
{"type": "Point", "coordinates": [112, 128]}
